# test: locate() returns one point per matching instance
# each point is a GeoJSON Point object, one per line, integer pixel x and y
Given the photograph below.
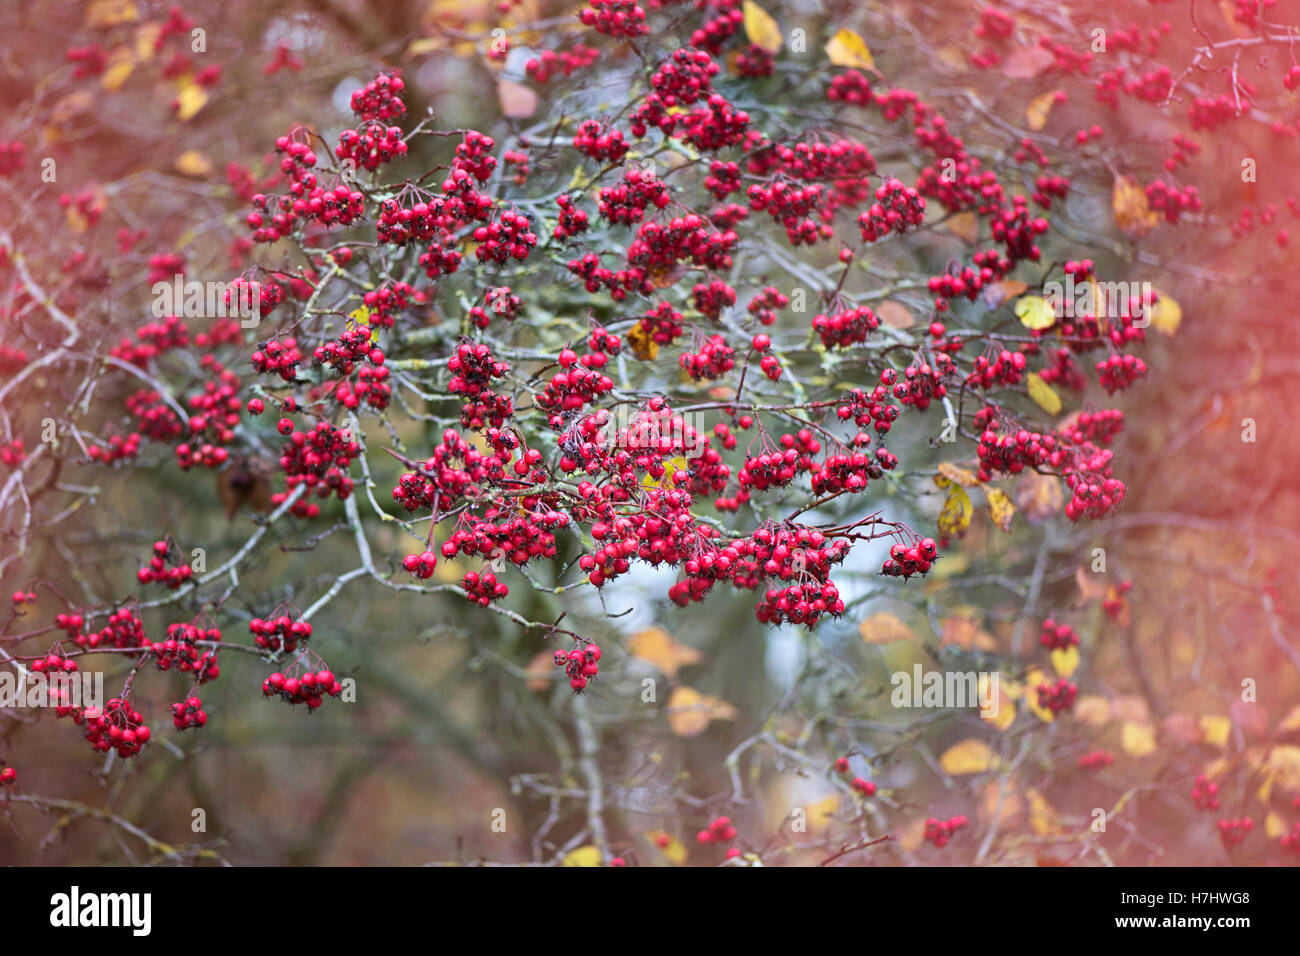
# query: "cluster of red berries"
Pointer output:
{"type": "Point", "coordinates": [124, 631]}
{"type": "Point", "coordinates": [922, 381]}
{"type": "Point", "coordinates": [845, 328]}
{"type": "Point", "coordinates": [499, 301]}
{"type": "Point", "coordinates": [353, 346]}
{"type": "Point", "coordinates": [603, 144]}
{"type": "Point", "coordinates": [381, 98]}
{"type": "Point", "coordinates": [1057, 637]}
{"type": "Point", "coordinates": [422, 565]}
{"type": "Point", "coordinates": [572, 219]}
{"type": "Point", "coordinates": [800, 603]}
{"type": "Point", "coordinates": [12, 453]}
{"type": "Point", "coordinates": [906, 560]}
{"type": "Point", "coordinates": [1205, 793]}
{"type": "Point", "coordinates": [661, 324]}
{"type": "Point", "coordinates": [898, 207]}
{"type": "Point", "coordinates": [387, 300]}
{"type": "Point", "coordinates": [510, 237]}
{"type": "Point", "coordinates": [483, 588]}
{"type": "Point", "coordinates": [1057, 697]}
{"type": "Point", "coordinates": [318, 459]}
{"type": "Point", "coordinates": [1234, 832]}
{"type": "Point", "coordinates": [719, 830]}
{"type": "Point", "coordinates": [578, 383]}
{"type": "Point", "coordinates": [310, 689]}
{"type": "Point", "coordinates": [438, 484]}
{"type": "Point", "coordinates": [764, 306]}
{"type": "Point", "coordinates": [281, 633]}
{"type": "Point", "coordinates": [1006, 368]}
{"type": "Point", "coordinates": [850, 87]}
{"type": "Point", "coordinates": [582, 664]}
{"type": "Point", "coordinates": [551, 64]}
{"type": "Point", "coordinates": [615, 18]}
{"type": "Point", "coordinates": [53, 663]}
{"type": "Point", "coordinates": [850, 472]}
{"type": "Point", "coordinates": [1096, 760]}
{"type": "Point", "coordinates": [181, 650]}
{"type": "Point", "coordinates": [856, 784]}
{"type": "Point", "coordinates": [188, 713]}
{"type": "Point", "coordinates": [116, 727]}
{"type": "Point", "coordinates": [157, 571]}
{"type": "Point", "coordinates": [793, 206]}
{"type": "Point", "coordinates": [939, 832]}
{"type": "Point", "coordinates": [627, 202]}
{"type": "Point", "coordinates": [662, 246]}
{"type": "Point", "coordinates": [369, 147]}
{"type": "Point", "coordinates": [714, 359]}
{"type": "Point", "coordinates": [1118, 372]}
{"type": "Point", "coordinates": [871, 408]}
{"type": "Point", "coordinates": [278, 356]}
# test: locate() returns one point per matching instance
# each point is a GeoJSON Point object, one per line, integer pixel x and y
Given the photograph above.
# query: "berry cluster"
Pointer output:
{"type": "Point", "coordinates": [1057, 637]}
{"type": "Point", "coordinates": [117, 726]}
{"type": "Point", "coordinates": [188, 713]}
{"type": "Point", "coordinates": [381, 98]}
{"type": "Point", "coordinates": [353, 346]}
{"type": "Point", "coordinates": [282, 633]}
{"type": "Point", "coordinates": [319, 460]}
{"type": "Point", "coordinates": [907, 560]}
{"type": "Point", "coordinates": [615, 18]}
{"type": "Point", "coordinates": [181, 651]}
{"type": "Point", "coordinates": [368, 147]}
{"type": "Point", "coordinates": [310, 689]}
{"type": "Point", "coordinates": [551, 64]}
{"type": "Point", "coordinates": [939, 832]}
{"type": "Point", "coordinates": [572, 219]}
{"type": "Point", "coordinates": [714, 359]}
{"type": "Point", "coordinates": [843, 329]}
{"type": "Point", "coordinates": [1234, 832]}
{"type": "Point", "coordinates": [627, 202]}
{"type": "Point", "coordinates": [580, 663]}
{"type": "Point", "coordinates": [1119, 372]}
{"type": "Point", "coordinates": [1205, 793]}
{"type": "Point", "coordinates": [897, 208]}
{"type": "Point", "coordinates": [1057, 697]}
{"type": "Point", "coordinates": [278, 356]}
{"type": "Point", "coordinates": [595, 140]}
{"type": "Point", "coordinates": [157, 571]}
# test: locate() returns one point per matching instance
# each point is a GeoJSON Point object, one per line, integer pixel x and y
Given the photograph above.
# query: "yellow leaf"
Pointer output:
{"type": "Point", "coordinates": [662, 650]}
{"type": "Point", "coordinates": [1216, 729]}
{"type": "Point", "coordinates": [193, 163]}
{"type": "Point", "coordinates": [821, 813]}
{"type": "Point", "coordinates": [146, 35]}
{"type": "Point", "coordinates": [1039, 496]}
{"type": "Point", "coordinates": [1274, 826]}
{"type": "Point", "coordinates": [690, 712]}
{"type": "Point", "coordinates": [1042, 815]}
{"type": "Point", "coordinates": [1129, 202]}
{"type": "Point", "coordinates": [517, 101]}
{"type": "Point", "coordinates": [360, 315]}
{"type": "Point", "coordinates": [582, 856]}
{"type": "Point", "coordinates": [671, 467]}
{"type": "Point", "coordinates": [971, 755]}
{"type": "Point", "coordinates": [964, 226]}
{"type": "Point", "coordinates": [642, 343]}
{"type": "Point", "coordinates": [1166, 314]}
{"type": "Point", "coordinates": [422, 45]}
{"type": "Point", "coordinates": [120, 64]}
{"type": "Point", "coordinates": [846, 48]}
{"type": "Point", "coordinates": [995, 293]}
{"type": "Point", "coordinates": [1033, 678]}
{"type": "Point", "coordinates": [1005, 714]}
{"type": "Point", "coordinates": [1291, 721]}
{"type": "Point", "coordinates": [190, 98]}
{"type": "Point", "coordinates": [955, 516]}
{"type": "Point", "coordinates": [109, 13]}
{"type": "Point", "coordinates": [1284, 764]}
{"type": "Point", "coordinates": [1035, 312]}
{"type": "Point", "coordinates": [1137, 740]}
{"type": "Point", "coordinates": [884, 628]}
{"type": "Point", "coordinates": [672, 848]}
{"type": "Point", "coordinates": [962, 630]}
{"type": "Point", "coordinates": [957, 475]}
{"type": "Point", "coordinates": [895, 314]}
{"type": "Point", "coordinates": [1065, 660]}
{"type": "Point", "coordinates": [1044, 395]}
{"type": "Point", "coordinates": [1001, 509]}
{"type": "Point", "coordinates": [1092, 710]}
{"type": "Point", "coordinates": [1038, 108]}
{"type": "Point", "coordinates": [761, 29]}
